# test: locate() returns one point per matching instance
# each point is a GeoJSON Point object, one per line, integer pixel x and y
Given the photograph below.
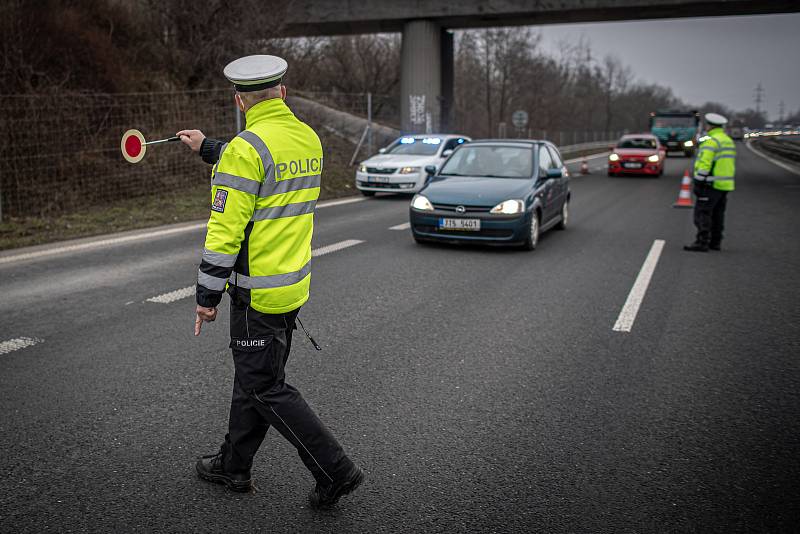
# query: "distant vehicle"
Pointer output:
{"type": "Point", "coordinates": [677, 130]}
{"type": "Point", "coordinates": [400, 167]}
{"type": "Point", "coordinates": [637, 154]}
{"type": "Point", "coordinates": [494, 191]}
{"type": "Point", "coordinates": [736, 130]}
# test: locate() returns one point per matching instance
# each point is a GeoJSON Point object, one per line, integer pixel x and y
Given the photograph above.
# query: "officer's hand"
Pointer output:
{"type": "Point", "coordinates": [192, 138]}
{"type": "Point", "coordinates": [203, 315]}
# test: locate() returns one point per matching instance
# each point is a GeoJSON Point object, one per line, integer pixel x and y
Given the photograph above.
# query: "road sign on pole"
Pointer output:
{"type": "Point", "coordinates": [519, 119]}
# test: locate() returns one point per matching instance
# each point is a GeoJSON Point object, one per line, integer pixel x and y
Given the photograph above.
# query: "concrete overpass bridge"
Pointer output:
{"type": "Point", "coordinates": [426, 86]}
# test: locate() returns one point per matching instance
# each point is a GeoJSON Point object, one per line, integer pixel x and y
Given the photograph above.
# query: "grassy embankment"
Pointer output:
{"type": "Point", "coordinates": [158, 209]}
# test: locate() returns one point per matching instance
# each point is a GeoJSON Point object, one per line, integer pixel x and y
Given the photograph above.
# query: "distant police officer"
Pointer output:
{"type": "Point", "coordinates": [265, 185]}
{"type": "Point", "coordinates": [714, 171]}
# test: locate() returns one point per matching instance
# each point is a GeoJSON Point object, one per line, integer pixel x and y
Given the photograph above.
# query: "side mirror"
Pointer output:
{"type": "Point", "coordinates": [430, 169]}
{"type": "Point", "coordinates": [611, 148]}
{"type": "Point", "coordinates": [447, 152]}
{"type": "Point", "coordinates": [554, 173]}
{"type": "Point", "coordinates": [381, 150]}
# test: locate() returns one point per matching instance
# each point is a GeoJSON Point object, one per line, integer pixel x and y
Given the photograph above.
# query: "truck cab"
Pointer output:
{"type": "Point", "coordinates": [676, 130]}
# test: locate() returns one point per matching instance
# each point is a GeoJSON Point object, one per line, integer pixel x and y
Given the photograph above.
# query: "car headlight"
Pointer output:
{"type": "Point", "coordinates": [653, 158]}
{"type": "Point", "coordinates": [509, 207]}
{"type": "Point", "coordinates": [421, 203]}
{"type": "Point", "coordinates": [408, 170]}
{"type": "Point", "coordinates": [689, 143]}
{"type": "Point", "coordinates": [362, 168]}
{"type": "Point", "coordinates": [613, 157]}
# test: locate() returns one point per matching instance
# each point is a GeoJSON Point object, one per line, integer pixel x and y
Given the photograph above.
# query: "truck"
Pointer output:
{"type": "Point", "coordinates": [677, 130]}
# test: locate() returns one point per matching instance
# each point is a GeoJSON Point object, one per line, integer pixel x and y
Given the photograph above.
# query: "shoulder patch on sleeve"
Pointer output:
{"type": "Point", "coordinates": [219, 200]}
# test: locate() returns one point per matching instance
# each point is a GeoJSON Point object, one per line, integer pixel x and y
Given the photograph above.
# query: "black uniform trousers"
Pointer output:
{"type": "Point", "coordinates": [709, 212]}
{"type": "Point", "coordinates": [261, 398]}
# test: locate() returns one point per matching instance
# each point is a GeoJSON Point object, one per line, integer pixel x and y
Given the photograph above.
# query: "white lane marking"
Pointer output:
{"type": "Point", "coordinates": [340, 202]}
{"type": "Point", "coordinates": [759, 152]}
{"type": "Point", "coordinates": [137, 237]}
{"type": "Point", "coordinates": [576, 160]}
{"type": "Point", "coordinates": [172, 296]}
{"type": "Point", "coordinates": [185, 292]}
{"type": "Point", "coordinates": [18, 343]}
{"type": "Point", "coordinates": [327, 249]}
{"type": "Point", "coordinates": [404, 226]}
{"type": "Point", "coordinates": [100, 244]}
{"type": "Point", "coordinates": [628, 313]}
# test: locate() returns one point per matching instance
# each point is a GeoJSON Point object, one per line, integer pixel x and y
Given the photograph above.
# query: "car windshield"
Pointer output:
{"type": "Point", "coordinates": [637, 142]}
{"type": "Point", "coordinates": [494, 161]}
{"type": "Point", "coordinates": [671, 122]}
{"type": "Point", "coordinates": [415, 146]}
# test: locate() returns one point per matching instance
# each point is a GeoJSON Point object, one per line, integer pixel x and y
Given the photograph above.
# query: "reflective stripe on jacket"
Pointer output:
{"type": "Point", "coordinates": [264, 190]}
{"type": "Point", "coordinates": [716, 160]}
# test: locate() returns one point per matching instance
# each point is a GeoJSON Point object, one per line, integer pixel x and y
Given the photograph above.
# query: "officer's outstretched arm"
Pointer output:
{"type": "Point", "coordinates": [236, 182]}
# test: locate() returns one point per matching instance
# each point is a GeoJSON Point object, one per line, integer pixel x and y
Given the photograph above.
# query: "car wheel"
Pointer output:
{"type": "Point", "coordinates": [533, 233]}
{"type": "Point", "coordinates": [611, 174]}
{"type": "Point", "coordinates": [562, 224]}
{"type": "Point", "coordinates": [368, 193]}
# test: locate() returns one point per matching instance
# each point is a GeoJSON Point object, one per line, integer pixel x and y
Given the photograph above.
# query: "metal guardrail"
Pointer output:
{"type": "Point", "coordinates": [785, 147]}
{"type": "Point", "coordinates": [571, 149]}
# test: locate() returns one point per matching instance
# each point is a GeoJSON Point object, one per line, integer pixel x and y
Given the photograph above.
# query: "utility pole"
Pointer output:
{"type": "Point", "coordinates": [759, 97]}
{"type": "Point", "coordinates": [780, 112]}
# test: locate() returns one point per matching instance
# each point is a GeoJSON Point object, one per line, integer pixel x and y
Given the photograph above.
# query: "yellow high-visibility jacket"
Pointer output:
{"type": "Point", "coordinates": [264, 190]}
{"type": "Point", "coordinates": [716, 160]}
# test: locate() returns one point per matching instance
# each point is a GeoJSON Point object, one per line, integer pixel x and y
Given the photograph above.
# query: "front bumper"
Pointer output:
{"type": "Point", "coordinates": [390, 183]}
{"type": "Point", "coordinates": [494, 228]}
{"type": "Point", "coordinates": [647, 168]}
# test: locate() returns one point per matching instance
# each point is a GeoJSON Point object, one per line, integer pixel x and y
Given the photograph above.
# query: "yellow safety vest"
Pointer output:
{"type": "Point", "coordinates": [716, 160]}
{"type": "Point", "coordinates": [264, 190]}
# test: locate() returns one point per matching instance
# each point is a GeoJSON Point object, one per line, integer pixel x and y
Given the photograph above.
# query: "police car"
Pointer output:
{"type": "Point", "coordinates": [400, 167]}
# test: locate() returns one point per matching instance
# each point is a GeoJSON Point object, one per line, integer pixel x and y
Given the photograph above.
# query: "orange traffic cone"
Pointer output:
{"type": "Point", "coordinates": [685, 196]}
{"type": "Point", "coordinates": [584, 167]}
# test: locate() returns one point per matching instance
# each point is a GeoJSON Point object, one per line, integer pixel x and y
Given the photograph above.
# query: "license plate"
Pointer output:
{"type": "Point", "coordinates": [379, 179]}
{"type": "Point", "coordinates": [468, 225]}
{"type": "Point", "coordinates": [632, 165]}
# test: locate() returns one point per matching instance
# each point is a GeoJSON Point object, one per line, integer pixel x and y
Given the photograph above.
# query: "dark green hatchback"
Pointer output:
{"type": "Point", "coordinates": [494, 191]}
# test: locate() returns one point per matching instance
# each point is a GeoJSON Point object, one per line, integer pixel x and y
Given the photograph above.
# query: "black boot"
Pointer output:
{"type": "Point", "coordinates": [696, 247]}
{"type": "Point", "coordinates": [324, 495]}
{"type": "Point", "coordinates": [210, 468]}
{"type": "Point", "coordinates": [715, 246]}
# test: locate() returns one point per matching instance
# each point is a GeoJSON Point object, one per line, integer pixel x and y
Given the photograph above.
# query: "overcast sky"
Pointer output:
{"type": "Point", "coordinates": [702, 59]}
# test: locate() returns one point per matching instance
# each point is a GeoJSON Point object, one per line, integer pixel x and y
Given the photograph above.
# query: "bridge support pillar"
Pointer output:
{"type": "Point", "coordinates": [426, 77]}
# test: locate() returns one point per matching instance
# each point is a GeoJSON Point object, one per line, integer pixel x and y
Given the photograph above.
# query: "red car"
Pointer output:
{"type": "Point", "coordinates": [637, 154]}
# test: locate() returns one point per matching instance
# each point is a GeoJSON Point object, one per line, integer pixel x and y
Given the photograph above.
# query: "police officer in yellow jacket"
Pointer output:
{"type": "Point", "coordinates": [265, 185]}
{"type": "Point", "coordinates": [714, 170]}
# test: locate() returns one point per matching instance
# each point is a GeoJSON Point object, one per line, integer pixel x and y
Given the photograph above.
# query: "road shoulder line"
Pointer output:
{"type": "Point", "coordinates": [774, 161]}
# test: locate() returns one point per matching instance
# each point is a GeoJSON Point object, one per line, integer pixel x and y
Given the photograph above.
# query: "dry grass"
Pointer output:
{"type": "Point", "coordinates": [157, 209]}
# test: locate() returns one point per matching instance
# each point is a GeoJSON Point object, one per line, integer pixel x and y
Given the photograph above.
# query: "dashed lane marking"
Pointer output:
{"type": "Point", "coordinates": [628, 313]}
{"type": "Point", "coordinates": [18, 343]}
{"type": "Point", "coordinates": [142, 236]}
{"type": "Point", "coordinates": [172, 296]}
{"type": "Point", "coordinates": [404, 226]}
{"type": "Point", "coordinates": [327, 249]}
{"type": "Point", "coordinates": [186, 292]}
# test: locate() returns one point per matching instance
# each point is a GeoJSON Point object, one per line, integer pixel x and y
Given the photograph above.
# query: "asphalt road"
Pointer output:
{"type": "Point", "coordinates": [482, 389]}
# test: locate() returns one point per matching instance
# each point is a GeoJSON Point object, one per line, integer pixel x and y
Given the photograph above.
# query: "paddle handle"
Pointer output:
{"type": "Point", "coordinates": [167, 140]}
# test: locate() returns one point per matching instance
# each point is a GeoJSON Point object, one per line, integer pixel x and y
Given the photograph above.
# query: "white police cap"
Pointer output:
{"type": "Point", "coordinates": [716, 119]}
{"type": "Point", "coordinates": [254, 73]}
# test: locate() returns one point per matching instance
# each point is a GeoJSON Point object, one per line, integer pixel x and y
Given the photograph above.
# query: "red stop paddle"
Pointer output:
{"type": "Point", "coordinates": [133, 145]}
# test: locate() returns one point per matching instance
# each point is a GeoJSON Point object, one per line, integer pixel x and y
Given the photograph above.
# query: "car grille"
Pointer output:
{"type": "Point", "coordinates": [492, 232]}
{"type": "Point", "coordinates": [380, 170]}
{"type": "Point", "coordinates": [467, 209]}
{"type": "Point", "coordinates": [380, 184]}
